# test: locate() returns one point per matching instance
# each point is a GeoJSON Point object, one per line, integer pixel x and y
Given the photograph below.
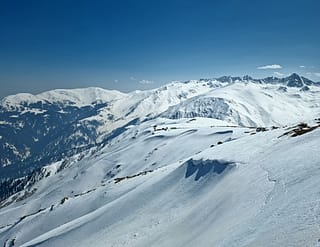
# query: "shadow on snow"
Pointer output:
{"type": "Point", "coordinates": [203, 167]}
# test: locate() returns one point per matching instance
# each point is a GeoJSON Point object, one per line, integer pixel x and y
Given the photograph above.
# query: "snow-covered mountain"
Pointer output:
{"type": "Point", "coordinates": [209, 162]}
{"type": "Point", "coordinates": [37, 130]}
{"type": "Point", "coordinates": [183, 182]}
{"type": "Point", "coordinates": [250, 104]}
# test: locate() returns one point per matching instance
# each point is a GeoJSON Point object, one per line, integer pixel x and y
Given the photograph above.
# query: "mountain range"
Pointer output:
{"type": "Point", "coordinates": [226, 161]}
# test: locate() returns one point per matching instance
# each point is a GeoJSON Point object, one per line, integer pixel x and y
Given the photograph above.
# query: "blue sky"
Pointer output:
{"type": "Point", "coordinates": [127, 45]}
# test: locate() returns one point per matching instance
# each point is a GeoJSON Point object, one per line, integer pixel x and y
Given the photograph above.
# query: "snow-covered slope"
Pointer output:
{"type": "Point", "coordinates": [36, 130]}
{"type": "Point", "coordinates": [251, 104]}
{"type": "Point", "coordinates": [77, 97]}
{"type": "Point", "coordinates": [182, 183]}
{"type": "Point", "coordinates": [207, 162]}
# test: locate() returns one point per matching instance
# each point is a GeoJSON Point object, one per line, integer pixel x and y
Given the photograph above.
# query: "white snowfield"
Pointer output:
{"type": "Point", "coordinates": [249, 190]}
{"type": "Point", "coordinates": [199, 174]}
{"type": "Point", "coordinates": [78, 97]}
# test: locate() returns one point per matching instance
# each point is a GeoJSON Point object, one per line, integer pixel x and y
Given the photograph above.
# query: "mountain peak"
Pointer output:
{"type": "Point", "coordinates": [247, 78]}
{"type": "Point", "coordinates": [294, 76]}
{"type": "Point", "coordinates": [294, 80]}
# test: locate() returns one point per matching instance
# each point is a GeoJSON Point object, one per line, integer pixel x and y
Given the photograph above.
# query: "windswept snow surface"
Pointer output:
{"type": "Point", "coordinates": [184, 182]}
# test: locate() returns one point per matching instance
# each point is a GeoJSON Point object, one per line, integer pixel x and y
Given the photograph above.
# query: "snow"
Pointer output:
{"type": "Point", "coordinates": [34, 111]}
{"type": "Point", "coordinates": [250, 105]}
{"type": "Point", "coordinates": [251, 190]}
{"type": "Point", "coordinates": [16, 99]}
{"type": "Point", "coordinates": [81, 97]}
{"type": "Point", "coordinates": [4, 122]}
{"type": "Point", "coordinates": [194, 171]}
{"type": "Point", "coordinates": [76, 97]}
{"type": "Point", "coordinates": [245, 103]}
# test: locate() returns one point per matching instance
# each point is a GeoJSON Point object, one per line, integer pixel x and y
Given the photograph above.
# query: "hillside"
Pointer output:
{"type": "Point", "coordinates": [224, 186]}
{"type": "Point", "coordinates": [213, 162]}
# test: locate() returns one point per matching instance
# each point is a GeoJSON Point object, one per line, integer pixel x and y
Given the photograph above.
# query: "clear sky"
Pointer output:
{"type": "Point", "coordinates": [138, 44]}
